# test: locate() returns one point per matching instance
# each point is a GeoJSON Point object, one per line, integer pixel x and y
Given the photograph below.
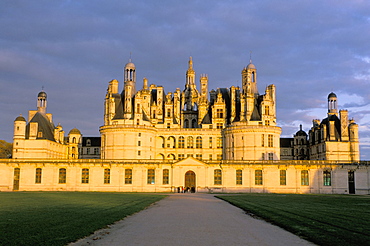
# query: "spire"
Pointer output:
{"type": "Point", "coordinates": [190, 63]}
{"type": "Point", "coordinates": [250, 57]}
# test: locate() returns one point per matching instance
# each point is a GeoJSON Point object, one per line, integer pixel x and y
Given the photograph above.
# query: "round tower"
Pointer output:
{"type": "Point", "coordinates": [19, 136]}
{"type": "Point", "coordinates": [74, 137]}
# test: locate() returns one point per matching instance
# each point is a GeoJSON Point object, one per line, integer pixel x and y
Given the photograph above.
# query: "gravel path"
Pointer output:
{"type": "Point", "coordinates": [192, 219]}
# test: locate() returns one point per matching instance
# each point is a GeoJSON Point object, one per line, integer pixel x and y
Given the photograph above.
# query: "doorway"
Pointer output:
{"type": "Point", "coordinates": [17, 172]}
{"type": "Point", "coordinates": [351, 182]}
{"type": "Point", "coordinates": [190, 180]}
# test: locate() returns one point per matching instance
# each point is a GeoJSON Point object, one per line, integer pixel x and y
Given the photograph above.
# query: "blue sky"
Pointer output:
{"type": "Point", "coordinates": [73, 49]}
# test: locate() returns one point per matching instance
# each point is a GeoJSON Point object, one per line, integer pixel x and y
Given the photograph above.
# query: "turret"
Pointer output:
{"type": "Point", "coordinates": [19, 127]}
{"type": "Point", "coordinates": [74, 139]}
{"type": "Point", "coordinates": [129, 87]}
{"type": "Point", "coordinates": [41, 102]}
{"type": "Point", "coordinates": [332, 104]}
{"type": "Point", "coordinates": [249, 79]}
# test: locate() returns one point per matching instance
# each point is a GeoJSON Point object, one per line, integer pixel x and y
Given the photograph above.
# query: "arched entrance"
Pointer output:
{"type": "Point", "coordinates": [190, 180]}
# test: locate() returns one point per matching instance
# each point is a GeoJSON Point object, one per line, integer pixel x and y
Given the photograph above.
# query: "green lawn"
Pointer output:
{"type": "Point", "coordinates": [322, 219]}
{"type": "Point", "coordinates": [57, 218]}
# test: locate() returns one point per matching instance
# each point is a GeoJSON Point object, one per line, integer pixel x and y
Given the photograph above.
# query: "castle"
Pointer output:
{"type": "Point", "coordinates": [224, 139]}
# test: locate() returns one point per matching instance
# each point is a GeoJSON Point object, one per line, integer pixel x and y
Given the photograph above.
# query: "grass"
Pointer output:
{"type": "Point", "coordinates": [322, 219]}
{"type": "Point", "coordinates": [57, 218]}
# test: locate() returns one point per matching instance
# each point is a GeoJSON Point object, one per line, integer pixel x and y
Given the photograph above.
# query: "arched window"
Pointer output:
{"type": "Point", "coordinates": [190, 142]}
{"type": "Point", "coordinates": [181, 142]}
{"type": "Point", "coordinates": [199, 143]}
{"type": "Point", "coordinates": [162, 141]}
{"type": "Point", "coordinates": [171, 157]}
{"type": "Point", "coordinates": [194, 123]}
{"type": "Point", "coordinates": [186, 123]}
{"type": "Point", "coordinates": [171, 142]}
{"type": "Point", "coordinates": [74, 140]}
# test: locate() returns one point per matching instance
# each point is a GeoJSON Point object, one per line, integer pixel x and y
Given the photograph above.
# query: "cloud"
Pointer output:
{"type": "Point", "coordinates": [73, 48]}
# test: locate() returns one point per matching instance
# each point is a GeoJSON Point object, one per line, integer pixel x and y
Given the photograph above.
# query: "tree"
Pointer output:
{"type": "Point", "coordinates": [6, 149]}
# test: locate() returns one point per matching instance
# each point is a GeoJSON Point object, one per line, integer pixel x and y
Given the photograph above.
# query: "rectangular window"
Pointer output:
{"type": "Point", "coordinates": [62, 175]}
{"type": "Point", "coordinates": [199, 156]}
{"type": "Point", "coordinates": [166, 176]}
{"type": "Point", "coordinates": [85, 176]}
{"type": "Point", "coordinates": [218, 177]}
{"type": "Point", "coordinates": [239, 177]}
{"type": "Point", "coordinates": [38, 176]}
{"type": "Point", "coordinates": [190, 155]}
{"type": "Point", "coordinates": [282, 177]}
{"type": "Point", "coordinates": [327, 178]}
{"type": "Point", "coordinates": [190, 142]}
{"type": "Point", "coordinates": [210, 142]}
{"type": "Point", "coordinates": [270, 140]}
{"type": "Point", "coordinates": [199, 143]}
{"type": "Point", "coordinates": [267, 110]}
{"type": "Point", "coordinates": [168, 125]}
{"type": "Point", "coordinates": [304, 177]}
{"type": "Point", "coordinates": [219, 157]}
{"type": "Point", "coordinates": [151, 176]}
{"type": "Point", "coordinates": [138, 143]}
{"type": "Point", "coordinates": [87, 151]}
{"type": "Point", "coordinates": [219, 125]}
{"type": "Point", "coordinates": [139, 152]}
{"type": "Point", "coordinates": [107, 176]}
{"type": "Point", "coordinates": [210, 157]}
{"type": "Point", "coordinates": [219, 113]}
{"type": "Point", "coordinates": [263, 140]}
{"type": "Point", "coordinates": [96, 151]}
{"type": "Point", "coordinates": [128, 176]}
{"type": "Point", "coordinates": [258, 177]}
{"type": "Point", "coordinates": [219, 142]}
{"type": "Point", "coordinates": [181, 156]}
{"type": "Point", "coordinates": [271, 156]}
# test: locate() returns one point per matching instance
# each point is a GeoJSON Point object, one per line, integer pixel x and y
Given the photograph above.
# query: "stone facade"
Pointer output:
{"type": "Point", "coordinates": [333, 138]}
{"type": "Point", "coordinates": [327, 177]}
{"type": "Point", "coordinates": [225, 140]}
{"type": "Point", "coordinates": [225, 124]}
{"type": "Point", "coordinates": [40, 139]}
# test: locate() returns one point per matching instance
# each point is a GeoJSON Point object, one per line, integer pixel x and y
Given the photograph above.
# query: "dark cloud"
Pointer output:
{"type": "Point", "coordinates": [73, 48]}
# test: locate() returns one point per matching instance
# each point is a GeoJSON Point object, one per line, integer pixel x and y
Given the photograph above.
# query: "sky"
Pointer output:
{"type": "Point", "coordinates": [72, 49]}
